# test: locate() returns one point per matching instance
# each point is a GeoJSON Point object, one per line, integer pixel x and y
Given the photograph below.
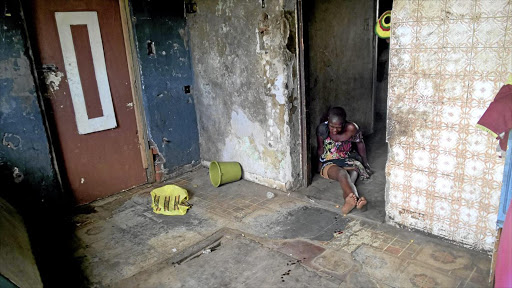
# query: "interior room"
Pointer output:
{"type": "Point", "coordinates": [155, 143]}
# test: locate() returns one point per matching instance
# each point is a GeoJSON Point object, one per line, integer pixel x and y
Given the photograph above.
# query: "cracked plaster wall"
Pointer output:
{"type": "Point", "coordinates": [244, 62]}
{"type": "Point", "coordinates": [448, 59]}
{"type": "Point", "coordinates": [24, 152]}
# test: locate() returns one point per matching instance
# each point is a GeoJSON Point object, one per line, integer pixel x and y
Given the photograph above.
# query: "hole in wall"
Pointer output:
{"type": "Point", "coordinates": [263, 27]}
{"type": "Point", "coordinates": [151, 48]}
{"type": "Point", "coordinates": [290, 42]}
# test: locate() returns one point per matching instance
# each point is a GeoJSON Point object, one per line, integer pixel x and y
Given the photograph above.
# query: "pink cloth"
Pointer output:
{"type": "Point", "coordinates": [498, 116]}
{"type": "Point", "coordinates": [503, 275]}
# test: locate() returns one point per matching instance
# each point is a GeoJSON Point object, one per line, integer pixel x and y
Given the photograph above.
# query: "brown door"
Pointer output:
{"type": "Point", "coordinates": [82, 51]}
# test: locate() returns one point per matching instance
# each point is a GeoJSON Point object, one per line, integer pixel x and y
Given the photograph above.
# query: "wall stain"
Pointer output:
{"type": "Point", "coordinates": [243, 59]}
{"type": "Point", "coordinates": [412, 214]}
{"type": "Point", "coordinates": [404, 123]}
{"type": "Point", "coordinates": [12, 141]}
{"type": "Point", "coordinates": [52, 80]}
{"type": "Point", "coordinates": [25, 149]}
{"type": "Point", "coordinates": [184, 36]}
{"type": "Point", "coordinates": [17, 175]}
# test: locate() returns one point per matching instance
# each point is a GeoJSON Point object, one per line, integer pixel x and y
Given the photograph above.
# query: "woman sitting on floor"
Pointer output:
{"type": "Point", "coordinates": [337, 159]}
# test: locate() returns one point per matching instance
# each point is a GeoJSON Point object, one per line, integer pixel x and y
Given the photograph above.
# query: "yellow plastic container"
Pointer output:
{"type": "Point", "coordinates": [169, 200]}
{"type": "Point", "coordinates": [224, 172]}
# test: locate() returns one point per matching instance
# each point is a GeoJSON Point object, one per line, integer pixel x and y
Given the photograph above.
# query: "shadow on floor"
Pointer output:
{"type": "Point", "coordinates": [51, 233]}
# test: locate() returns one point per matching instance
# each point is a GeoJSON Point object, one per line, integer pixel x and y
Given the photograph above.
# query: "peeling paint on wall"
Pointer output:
{"type": "Point", "coordinates": [52, 80]}
{"type": "Point", "coordinates": [12, 141]}
{"type": "Point", "coordinates": [244, 69]}
{"type": "Point", "coordinates": [17, 175]}
{"type": "Point", "coordinates": [243, 143]}
{"type": "Point", "coordinates": [14, 79]}
{"type": "Point", "coordinates": [24, 154]}
{"type": "Point", "coordinates": [224, 6]}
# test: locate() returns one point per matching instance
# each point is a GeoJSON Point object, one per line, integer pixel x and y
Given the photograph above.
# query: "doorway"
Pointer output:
{"type": "Point", "coordinates": [81, 55]}
{"type": "Point", "coordinates": [346, 65]}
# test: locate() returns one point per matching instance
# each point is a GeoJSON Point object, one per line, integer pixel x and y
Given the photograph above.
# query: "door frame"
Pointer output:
{"type": "Point", "coordinates": [135, 80]}
{"type": "Point", "coordinates": [306, 167]}
{"type": "Point", "coordinates": [303, 115]}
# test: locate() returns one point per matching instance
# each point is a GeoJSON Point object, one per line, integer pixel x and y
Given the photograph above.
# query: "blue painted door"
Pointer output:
{"type": "Point", "coordinates": [167, 77]}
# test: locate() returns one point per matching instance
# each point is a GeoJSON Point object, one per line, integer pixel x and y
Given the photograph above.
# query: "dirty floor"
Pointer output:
{"type": "Point", "coordinates": [234, 236]}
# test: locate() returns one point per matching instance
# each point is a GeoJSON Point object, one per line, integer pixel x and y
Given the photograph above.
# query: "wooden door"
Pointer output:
{"type": "Point", "coordinates": [341, 60]}
{"type": "Point", "coordinates": [82, 51]}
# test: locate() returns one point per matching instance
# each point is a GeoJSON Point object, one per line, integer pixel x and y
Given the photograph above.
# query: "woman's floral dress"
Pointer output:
{"type": "Point", "coordinates": [341, 153]}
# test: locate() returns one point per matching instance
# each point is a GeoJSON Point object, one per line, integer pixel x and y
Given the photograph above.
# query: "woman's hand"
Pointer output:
{"type": "Point", "coordinates": [368, 169]}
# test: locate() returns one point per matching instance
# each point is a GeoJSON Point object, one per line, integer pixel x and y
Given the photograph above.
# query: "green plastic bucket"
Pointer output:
{"type": "Point", "coordinates": [224, 172]}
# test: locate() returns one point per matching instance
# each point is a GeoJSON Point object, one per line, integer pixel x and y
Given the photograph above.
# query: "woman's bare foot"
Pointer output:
{"type": "Point", "coordinates": [361, 203]}
{"type": "Point", "coordinates": [350, 203]}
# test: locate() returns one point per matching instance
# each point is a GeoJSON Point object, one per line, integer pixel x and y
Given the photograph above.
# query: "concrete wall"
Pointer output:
{"type": "Point", "coordinates": [447, 62]}
{"type": "Point", "coordinates": [340, 48]}
{"type": "Point", "coordinates": [24, 151]}
{"type": "Point", "coordinates": [169, 109]}
{"type": "Point", "coordinates": [244, 59]}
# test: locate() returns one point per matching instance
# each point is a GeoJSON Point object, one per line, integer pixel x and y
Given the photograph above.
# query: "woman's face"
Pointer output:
{"type": "Point", "coordinates": [335, 126]}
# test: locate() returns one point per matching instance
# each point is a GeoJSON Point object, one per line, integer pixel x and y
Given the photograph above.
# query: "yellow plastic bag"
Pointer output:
{"type": "Point", "coordinates": [170, 200]}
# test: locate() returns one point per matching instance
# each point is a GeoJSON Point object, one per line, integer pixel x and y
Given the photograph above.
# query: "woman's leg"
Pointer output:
{"type": "Point", "coordinates": [347, 187]}
{"type": "Point", "coordinates": [353, 175]}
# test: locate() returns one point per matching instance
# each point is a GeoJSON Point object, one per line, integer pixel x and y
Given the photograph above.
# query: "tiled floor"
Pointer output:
{"type": "Point", "coordinates": [121, 242]}
{"type": "Point", "coordinates": [227, 205]}
{"type": "Point", "coordinates": [412, 259]}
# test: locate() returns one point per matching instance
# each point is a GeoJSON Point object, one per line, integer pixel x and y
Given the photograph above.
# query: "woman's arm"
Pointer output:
{"type": "Point", "coordinates": [361, 149]}
{"type": "Point", "coordinates": [319, 150]}
{"type": "Point", "coordinates": [349, 131]}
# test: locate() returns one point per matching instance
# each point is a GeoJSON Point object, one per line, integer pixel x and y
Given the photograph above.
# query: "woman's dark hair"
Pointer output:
{"type": "Point", "coordinates": [337, 113]}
